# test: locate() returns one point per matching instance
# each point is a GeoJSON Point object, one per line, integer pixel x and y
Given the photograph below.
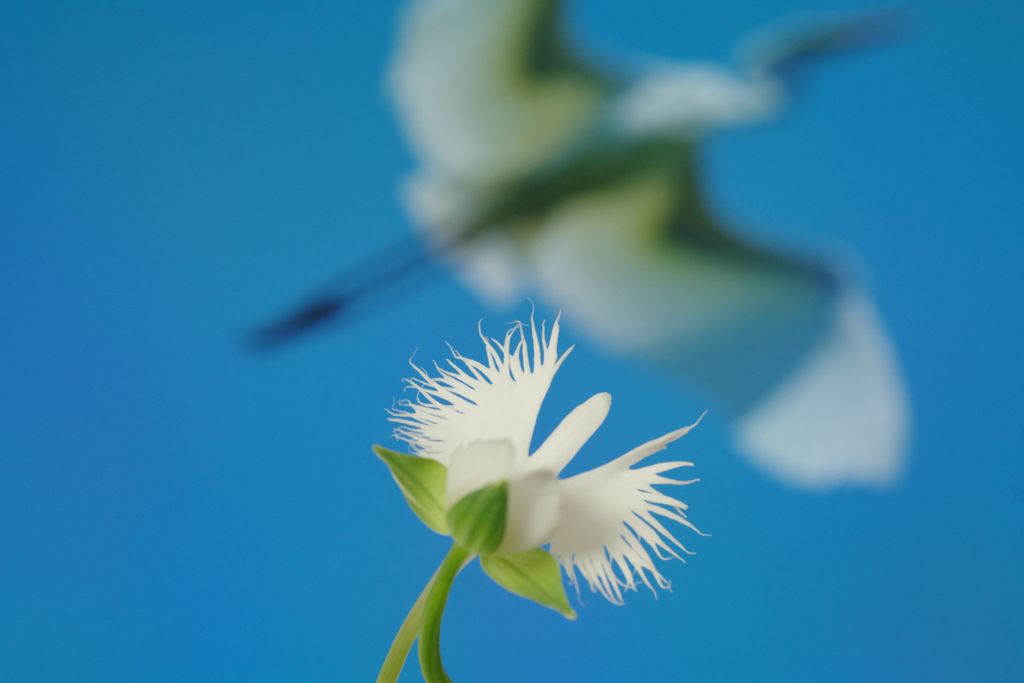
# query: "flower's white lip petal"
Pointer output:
{"type": "Point", "coordinates": [477, 465]}
{"type": "Point", "coordinates": [533, 511]}
{"type": "Point", "coordinates": [608, 522]}
{"type": "Point", "coordinates": [570, 435]}
{"type": "Point", "coordinates": [472, 401]}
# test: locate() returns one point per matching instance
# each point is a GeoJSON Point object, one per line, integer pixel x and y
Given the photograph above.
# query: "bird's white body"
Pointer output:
{"type": "Point", "coordinates": [599, 213]}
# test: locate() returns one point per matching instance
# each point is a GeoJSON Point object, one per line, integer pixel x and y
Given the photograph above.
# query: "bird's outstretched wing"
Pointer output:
{"type": "Point", "coordinates": [793, 353]}
{"type": "Point", "coordinates": [486, 90]}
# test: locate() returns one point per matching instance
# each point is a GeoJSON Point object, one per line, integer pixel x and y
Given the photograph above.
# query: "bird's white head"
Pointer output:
{"type": "Point", "coordinates": [686, 101]}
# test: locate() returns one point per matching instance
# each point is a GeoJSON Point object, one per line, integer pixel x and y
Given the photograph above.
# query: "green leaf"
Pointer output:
{"type": "Point", "coordinates": [533, 575]}
{"type": "Point", "coordinates": [422, 481]}
{"type": "Point", "coordinates": [477, 522]}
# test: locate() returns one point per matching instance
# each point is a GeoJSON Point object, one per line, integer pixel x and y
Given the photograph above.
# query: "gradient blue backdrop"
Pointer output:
{"type": "Point", "coordinates": [172, 509]}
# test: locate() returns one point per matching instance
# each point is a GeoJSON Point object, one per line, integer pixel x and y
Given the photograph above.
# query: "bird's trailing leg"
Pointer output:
{"type": "Point", "coordinates": [382, 278]}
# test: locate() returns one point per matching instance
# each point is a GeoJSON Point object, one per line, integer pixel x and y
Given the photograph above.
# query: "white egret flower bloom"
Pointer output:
{"type": "Point", "coordinates": [472, 477]}
{"type": "Point", "coordinates": [477, 419]}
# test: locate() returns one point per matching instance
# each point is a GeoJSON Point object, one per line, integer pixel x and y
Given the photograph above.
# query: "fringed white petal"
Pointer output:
{"type": "Point", "coordinates": [471, 401]}
{"type": "Point", "coordinates": [610, 522]}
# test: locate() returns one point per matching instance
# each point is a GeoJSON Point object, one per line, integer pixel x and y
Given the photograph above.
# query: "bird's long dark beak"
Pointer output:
{"type": "Point", "coordinates": [790, 52]}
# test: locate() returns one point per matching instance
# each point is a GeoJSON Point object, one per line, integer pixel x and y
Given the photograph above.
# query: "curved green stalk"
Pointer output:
{"type": "Point", "coordinates": [433, 611]}
{"type": "Point", "coordinates": [407, 633]}
{"type": "Point", "coordinates": [404, 639]}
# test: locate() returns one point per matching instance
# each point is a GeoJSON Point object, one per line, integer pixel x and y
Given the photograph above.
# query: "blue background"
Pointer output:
{"type": "Point", "coordinates": [172, 509]}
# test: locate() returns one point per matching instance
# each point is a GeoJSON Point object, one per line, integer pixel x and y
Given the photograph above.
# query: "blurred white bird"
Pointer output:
{"type": "Point", "coordinates": [542, 173]}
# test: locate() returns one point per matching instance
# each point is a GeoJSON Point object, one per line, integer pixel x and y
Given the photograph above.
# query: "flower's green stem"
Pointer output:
{"type": "Point", "coordinates": [407, 633]}
{"type": "Point", "coordinates": [404, 639]}
{"type": "Point", "coordinates": [433, 610]}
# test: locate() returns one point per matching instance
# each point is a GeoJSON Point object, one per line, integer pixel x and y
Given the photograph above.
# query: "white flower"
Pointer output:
{"type": "Point", "coordinates": [477, 419]}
